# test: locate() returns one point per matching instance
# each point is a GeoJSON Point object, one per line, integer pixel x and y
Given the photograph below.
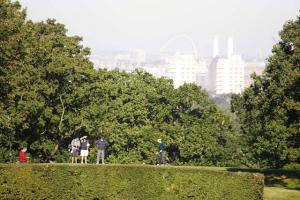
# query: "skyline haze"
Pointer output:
{"type": "Point", "coordinates": [115, 25]}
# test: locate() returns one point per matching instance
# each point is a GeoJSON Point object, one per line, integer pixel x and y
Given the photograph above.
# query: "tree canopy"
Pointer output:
{"type": "Point", "coordinates": [270, 108]}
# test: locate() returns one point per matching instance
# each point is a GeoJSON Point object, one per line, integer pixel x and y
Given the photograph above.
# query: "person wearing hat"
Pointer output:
{"type": "Point", "coordinates": [84, 151]}
{"type": "Point", "coordinates": [161, 149]}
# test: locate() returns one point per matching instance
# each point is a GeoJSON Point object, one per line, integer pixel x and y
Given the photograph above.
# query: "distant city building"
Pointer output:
{"type": "Point", "coordinates": [139, 56]}
{"type": "Point", "coordinates": [202, 74]}
{"type": "Point", "coordinates": [229, 47]}
{"type": "Point", "coordinates": [184, 68]}
{"type": "Point", "coordinates": [156, 70]}
{"type": "Point", "coordinates": [218, 75]}
{"type": "Point", "coordinates": [256, 67]}
{"type": "Point", "coordinates": [216, 47]}
{"type": "Point", "coordinates": [226, 75]}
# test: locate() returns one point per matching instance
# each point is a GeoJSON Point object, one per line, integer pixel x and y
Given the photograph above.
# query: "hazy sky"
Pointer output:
{"type": "Point", "coordinates": [107, 25]}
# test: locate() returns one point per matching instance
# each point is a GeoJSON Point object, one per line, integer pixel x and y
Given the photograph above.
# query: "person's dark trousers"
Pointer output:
{"type": "Point", "coordinates": [100, 152]}
{"type": "Point", "coordinates": [161, 157]}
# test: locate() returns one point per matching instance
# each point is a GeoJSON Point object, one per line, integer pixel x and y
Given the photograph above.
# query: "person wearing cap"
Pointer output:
{"type": "Point", "coordinates": [84, 151]}
{"type": "Point", "coordinates": [161, 149]}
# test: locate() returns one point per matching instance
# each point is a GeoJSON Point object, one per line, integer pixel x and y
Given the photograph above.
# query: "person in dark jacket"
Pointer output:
{"type": "Point", "coordinates": [84, 152]}
{"type": "Point", "coordinates": [161, 149]}
{"type": "Point", "coordinates": [101, 145]}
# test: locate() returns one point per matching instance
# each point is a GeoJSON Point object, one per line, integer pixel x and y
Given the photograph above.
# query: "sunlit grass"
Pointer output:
{"type": "Point", "coordinates": [274, 193]}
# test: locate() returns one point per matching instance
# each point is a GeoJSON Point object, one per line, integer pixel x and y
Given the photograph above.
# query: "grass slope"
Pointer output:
{"type": "Point", "coordinates": [273, 193]}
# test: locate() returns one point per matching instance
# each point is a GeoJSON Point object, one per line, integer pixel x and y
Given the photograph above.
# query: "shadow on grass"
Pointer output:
{"type": "Point", "coordinates": [283, 178]}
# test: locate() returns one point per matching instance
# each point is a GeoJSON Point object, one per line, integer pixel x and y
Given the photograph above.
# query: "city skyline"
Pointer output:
{"type": "Point", "coordinates": [127, 25]}
{"type": "Point", "coordinates": [217, 74]}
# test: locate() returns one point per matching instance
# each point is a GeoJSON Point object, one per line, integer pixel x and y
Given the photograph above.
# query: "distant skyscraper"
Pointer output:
{"type": "Point", "coordinates": [227, 74]}
{"type": "Point", "coordinates": [256, 67]}
{"type": "Point", "coordinates": [202, 74]}
{"type": "Point", "coordinates": [216, 46]}
{"type": "Point", "coordinates": [230, 47]}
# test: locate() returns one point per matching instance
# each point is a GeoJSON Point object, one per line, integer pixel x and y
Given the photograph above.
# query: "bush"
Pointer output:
{"type": "Point", "coordinates": [63, 181]}
{"type": "Point", "coordinates": [292, 166]}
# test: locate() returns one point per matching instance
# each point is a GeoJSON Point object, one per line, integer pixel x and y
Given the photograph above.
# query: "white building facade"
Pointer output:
{"type": "Point", "coordinates": [226, 75]}
{"type": "Point", "coordinates": [184, 68]}
{"type": "Point", "coordinates": [229, 75]}
{"type": "Point", "coordinates": [256, 67]}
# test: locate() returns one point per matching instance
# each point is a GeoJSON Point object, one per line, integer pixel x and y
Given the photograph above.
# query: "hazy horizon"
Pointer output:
{"type": "Point", "coordinates": [124, 25]}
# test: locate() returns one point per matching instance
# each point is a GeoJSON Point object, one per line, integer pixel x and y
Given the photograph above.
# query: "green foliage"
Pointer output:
{"type": "Point", "coordinates": [38, 80]}
{"type": "Point", "coordinates": [133, 110]}
{"type": "Point", "coordinates": [269, 109]}
{"type": "Point", "coordinates": [12, 20]}
{"type": "Point", "coordinates": [222, 100]}
{"type": "Point", "coordinates": [295, 166]}
{"type": "Point", "coordinates": [126, 182]}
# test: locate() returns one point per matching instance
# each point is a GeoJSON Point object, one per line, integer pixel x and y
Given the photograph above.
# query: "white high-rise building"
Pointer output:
{"type": "Point", "coordinates": [229, 47]}
{"type": "Point", "coordinates": [202, 74]}
{"type": "Point", "coordinates": [184, 68]}
{"type": "Point", "coordinates": [227, 74]}
{"type": "Point", "coordinates": [216, 47]}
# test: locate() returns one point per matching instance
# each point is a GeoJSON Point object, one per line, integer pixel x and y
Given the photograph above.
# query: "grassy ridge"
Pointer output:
{"type": "Point", "coordinates": [273, 193]}
{"type": "Point", "coordinates": [63, 181]}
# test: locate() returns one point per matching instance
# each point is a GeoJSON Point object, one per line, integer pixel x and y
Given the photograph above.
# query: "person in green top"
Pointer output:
{"type": "Point", "coordinates": [161, 149]}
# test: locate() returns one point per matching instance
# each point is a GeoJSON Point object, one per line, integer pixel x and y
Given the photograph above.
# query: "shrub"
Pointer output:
{"type": "Point", "coordinates": [65, 181]}
{"type": "Point", "coordinates": [292, 166]}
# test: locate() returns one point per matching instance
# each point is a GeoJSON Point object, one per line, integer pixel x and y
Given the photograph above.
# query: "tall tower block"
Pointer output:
{"type": "Point", "coordinates": [230, 47]}
{"type": "Point", "coordinates": [216, 46]}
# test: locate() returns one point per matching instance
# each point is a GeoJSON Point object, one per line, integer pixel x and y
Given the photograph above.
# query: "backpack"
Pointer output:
{"type": "Point", "coordinates": [75, 143]}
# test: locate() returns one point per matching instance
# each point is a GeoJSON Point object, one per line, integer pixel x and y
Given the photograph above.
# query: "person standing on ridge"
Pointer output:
{"type": "Point", "coordinates": [75, 145]}
{"type": "Point", "coordinates": [84, 152]}
{"type": "Point", "coordinates": [101, 145]}
{"type": "Point", "coordinates": [22, 156]}
{"type": "Point", "coordinates": [161, 150]}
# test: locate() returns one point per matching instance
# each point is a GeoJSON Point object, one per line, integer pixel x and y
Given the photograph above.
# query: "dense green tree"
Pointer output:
{"type": "Point", "coordinates": [134, 110]}
{"type": "Point", "coordinates": [40, 67]}
{"type": "Point", "coordinates": [270, 108]}
{"type": "Point", "coordinates": [61, 66]}
{"type": "Point", "coordinates": [12, 20]}
{"type": "Point", "coordinates": [207, 133]}
{"type": "Point", "coordinates": [222, 100]}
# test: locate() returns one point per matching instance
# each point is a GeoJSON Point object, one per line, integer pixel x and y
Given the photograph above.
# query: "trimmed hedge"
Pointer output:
{"type": "Point", "coordinates": [65, 181]}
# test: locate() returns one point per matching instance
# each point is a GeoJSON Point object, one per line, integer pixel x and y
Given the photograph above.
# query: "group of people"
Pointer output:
{"type": "Point", "coordinates": [81, 145]}
{"type": "Point", "coordinates": [101, 145]}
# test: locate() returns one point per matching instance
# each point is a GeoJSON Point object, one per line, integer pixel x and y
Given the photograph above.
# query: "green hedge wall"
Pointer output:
{"type": "Point", "coordinates": [65, 181]}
